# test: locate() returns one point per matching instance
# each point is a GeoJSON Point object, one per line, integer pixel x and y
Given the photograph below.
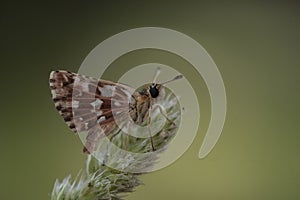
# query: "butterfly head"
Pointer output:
{"type": "Point", "coordinates": [154, 90]}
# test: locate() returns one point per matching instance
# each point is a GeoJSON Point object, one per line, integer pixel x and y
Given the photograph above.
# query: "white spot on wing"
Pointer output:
{"type": "Point", "coordinates": [76, 79]}
{"type": "Point", "coordinates": [85, 86]}
{"type": "Point", "coordinates": [107, 90]}
{"type": "Point", "coordinates": [117, 103]}
{"type": "Point", "coordinates": [97, 104]}
{"type": "Point", "coordinates": [99, 112]}
{"type": "Point", "coordinates": [75, 104]}
{"type": "Point", "coordinates": [53, 94]}
{"type": "Point", "coordinates": [101, 119]}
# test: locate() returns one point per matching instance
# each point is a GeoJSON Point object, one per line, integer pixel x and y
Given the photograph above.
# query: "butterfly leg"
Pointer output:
{"type": "Point", "coordinates": [115, 134]}
{"type": "Point", "coordinates": [163, 114]}
{"type": "Point", "coordinates": [127, 136]}
{"type": "Point", "coordinates": [149, 121]}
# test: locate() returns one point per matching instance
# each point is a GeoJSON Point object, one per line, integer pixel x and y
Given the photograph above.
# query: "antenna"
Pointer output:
{"type": "Point", "coordinates": [174, 79]}
{"type": "Point", "coordinates": [157, 72]}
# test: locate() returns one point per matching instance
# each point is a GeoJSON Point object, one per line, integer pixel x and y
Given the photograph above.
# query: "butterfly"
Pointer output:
{"type": "Point", "coordinates": [87, 104]}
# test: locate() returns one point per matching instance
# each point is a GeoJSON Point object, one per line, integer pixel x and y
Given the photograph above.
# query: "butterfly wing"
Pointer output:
{"type": "Point", "coordinates": [85, 103]}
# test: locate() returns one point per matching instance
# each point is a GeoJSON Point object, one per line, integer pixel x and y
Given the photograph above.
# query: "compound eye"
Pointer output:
{"type": "Point", "coordinates": [154, 92]}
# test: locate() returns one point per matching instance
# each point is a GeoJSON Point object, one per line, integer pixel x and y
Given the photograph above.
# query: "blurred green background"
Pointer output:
{"type": "Point", "coordinates": [255, 46]}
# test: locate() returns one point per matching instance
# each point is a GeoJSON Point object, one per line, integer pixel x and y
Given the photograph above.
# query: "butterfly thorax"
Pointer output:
{"type": "Point", "coordinates": [140, 107]}
{"type": "Point", "coordinates": [142, 102]}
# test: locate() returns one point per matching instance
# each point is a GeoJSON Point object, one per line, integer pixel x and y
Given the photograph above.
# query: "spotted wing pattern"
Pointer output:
{"type": "Point", "coordinates": [85, 103]}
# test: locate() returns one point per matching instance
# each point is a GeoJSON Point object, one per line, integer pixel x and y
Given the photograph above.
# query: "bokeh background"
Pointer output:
{"type": "Point", "coordinates": [255, 46]}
